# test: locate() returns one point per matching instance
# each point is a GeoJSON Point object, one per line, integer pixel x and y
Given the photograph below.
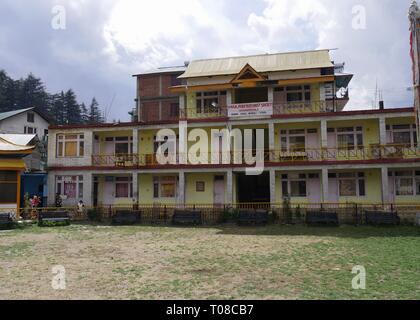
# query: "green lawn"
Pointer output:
{"type": "Point", "coordinates": [228, 262]}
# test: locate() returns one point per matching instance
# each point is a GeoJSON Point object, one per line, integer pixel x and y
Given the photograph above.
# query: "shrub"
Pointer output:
{"type": "Point", "coordinates": [94, 214]}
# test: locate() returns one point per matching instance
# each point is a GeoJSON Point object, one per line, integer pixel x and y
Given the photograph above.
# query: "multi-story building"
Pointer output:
{"type": "Point", "coordinates": [314, 151]}
{"type": "Point", "coordinates": [414, 19]}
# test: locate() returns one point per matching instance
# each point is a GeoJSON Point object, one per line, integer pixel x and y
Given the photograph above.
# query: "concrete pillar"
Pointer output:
{"type": "Point", "coordinates": [270, 94]}
{"type": "Point", "coordinates": [136, 197]}
{"type": "Point", "coordinates": [324, 134]}
{"type": "Point", "coordinates": [135, 141]}
{"type": "Point", "coordinates": [87, 189]}
{"type": "Point", "coordinates": [181, 189]}
{"type": "Point", "coordinates": [229, 97]}
{"type": "Point", "coordinates": [272, 187]}
{"type": "Point", "coordinates": [325, 190]}
{"type": "Point", "coordinates": [182, 106]}
{"type": "Point", "coordinates": [385, 184]}
{"type": "Point", "coordinates": [271, 143]}
{"type": "Point", "coordinates": [229, 187]}
{"type": "Point", "coordinates": [88, 147]}
{"type": "Point", "coordinates": [183, 142]}
{"type": "Point", "coordinates": [51, 188]}
{"type": "Point", "coordinates": [382, 131]}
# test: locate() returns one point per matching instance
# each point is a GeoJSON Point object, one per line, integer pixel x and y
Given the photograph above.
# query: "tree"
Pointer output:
{"type": "Point", "coordinates": [62, 108]}
{"type": "Point", "coordinates": [72, 108]}
{"type": "Point", "coordinates": [95, 115]}
{"type": "Point", "coordinates": [31, 93]}
{"type": "Point", "coordinates": [8, 92]}
{"type": "Point", "coordinates": [84, 113]}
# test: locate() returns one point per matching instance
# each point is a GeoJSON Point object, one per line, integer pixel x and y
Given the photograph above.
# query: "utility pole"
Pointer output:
{"type": "Point", "coordinates": [414, 18]}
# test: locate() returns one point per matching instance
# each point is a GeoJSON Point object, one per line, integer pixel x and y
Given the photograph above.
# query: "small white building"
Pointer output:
{"type": "Point", "coordinates": [27, 127]}
{"type": "Point", "coordinates": [24, 121]}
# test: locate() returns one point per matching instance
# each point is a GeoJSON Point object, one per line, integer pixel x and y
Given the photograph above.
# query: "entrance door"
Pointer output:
{"type": "Point", "coordinates": [333, 191]}
{"type": "Point", "coordinates": [312, 146]}
{"type": "Point", "coordinates": [109, 191]}
{"type": "Point", "coordinates": [219, 190]}
{"type": "Point", "coordinates": [95, 192]}
{"type": "Point", "coordinates": [314, 190]}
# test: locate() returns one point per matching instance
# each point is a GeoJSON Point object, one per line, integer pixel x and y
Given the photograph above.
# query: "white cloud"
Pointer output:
{"type": "Point", "coordinates": [106, 41]}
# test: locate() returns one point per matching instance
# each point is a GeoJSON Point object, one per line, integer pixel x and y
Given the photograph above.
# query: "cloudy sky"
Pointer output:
{"type": "Point", "coordinates": [104, 42]}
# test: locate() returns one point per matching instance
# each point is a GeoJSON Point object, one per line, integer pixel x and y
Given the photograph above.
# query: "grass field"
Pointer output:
{"type": "Point", "coordinates": [274, 262]}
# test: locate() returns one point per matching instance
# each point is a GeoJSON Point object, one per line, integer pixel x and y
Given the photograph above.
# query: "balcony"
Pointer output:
{"type": "Point", "coordinates": [373, 152]}
{"type": "Point", "coordinates": [219, 112]}
{"type": "Point", "coordinates": [120, 160]}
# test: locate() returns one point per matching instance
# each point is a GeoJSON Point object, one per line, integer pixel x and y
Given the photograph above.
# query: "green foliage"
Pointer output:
{"type": "Point", "coordinates": [54, 223]}
{"type": "Point", "coordinates": [298, 213]}
{"type": "Point", "coordinates": [287, 211]}
{"type": "Point", "coordinates": [61, 108]}
{"type": "Point", "coordinates": [94, 215]}
{"type": "Point", "coordinates": [230, 214]}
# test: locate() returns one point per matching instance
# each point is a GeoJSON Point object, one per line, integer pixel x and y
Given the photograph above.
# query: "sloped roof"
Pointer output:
{"type": "Point", "coordinates": [7, 146]}
{"type": "Point", "coordinates": [162, 70]}
{"type": "Point", "coordinates": [8, 114]}
{"type": "Point", "coordinates": [19, 139]}
{"type": "Point", "coordinates": [261, 63]}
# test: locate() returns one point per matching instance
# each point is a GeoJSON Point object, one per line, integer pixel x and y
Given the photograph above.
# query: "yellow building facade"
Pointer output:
{"type": "Point", "coordinates": [287, 110]}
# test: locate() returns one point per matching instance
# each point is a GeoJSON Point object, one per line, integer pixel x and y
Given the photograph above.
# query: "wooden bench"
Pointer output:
{"type": "Point", "coordinates": [382, 218]}
{"type": "Point", "coordinates": [53, 217]}
{"type": "Point", "coordinates": [252, 217]}
{"type": "Point", "coordinates": [321, 217]}
{"type": "Point", "coordinates": [6, 221]}
{"type": "Point", "coordinates": [185, 217]}
{"type": "Point", "coordinates": [126, 217]}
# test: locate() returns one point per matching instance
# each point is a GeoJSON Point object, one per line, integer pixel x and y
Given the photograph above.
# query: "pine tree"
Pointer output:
{"type": "Point", "coordinates": [56, 108]}
{"type": "Point", "coordinates": [95, 115]}
{"type": "Point", "coordinates": [31, 93]}
{"type": "Point", "coordinates": [62, 108]}
{"type": "Point", "coordinates": [84, 113]}
{"type": "Point", "coordinates": [8, 92]}
{"type": "Point", "coordinates": [73, 114]}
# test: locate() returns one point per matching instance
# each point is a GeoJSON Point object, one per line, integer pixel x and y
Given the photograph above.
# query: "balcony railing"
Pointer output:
{"type": "Point", "coordinates": [210, 112]}
{"type": "Point", "coordinates": [373, 152]}
{"type": "Point", "coordinates": [303, 107]}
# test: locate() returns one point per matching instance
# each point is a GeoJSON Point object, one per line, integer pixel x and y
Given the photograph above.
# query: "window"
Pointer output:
{"type": "Point", "coordinates": [208, 102]}
{"type": "Point", "coordinates": [349, 138]}
{"type": "Point", "coordinates": [70, 145]}
{"type": "Point", "coordinates": [123, 145]}
{"type": "Point", "coordinates": [29, 130]}
{"type": "Point", "coordinates": [8, 186]}
{"type": "Point", "coordinates": [407, 183]}
{"type": "Point", "coordinates": [298, 93]}
{"type": "Point", "coordinates": [351, 184]}
{"type": "Point", "coordinates": [164, 187]}
{"type": "Point", "coordinates": [123, 187]}
{"type": "Point", "coordinates": [30, 117]}
{"type": "Point", "coordinates": [404, 134]}
{"type": "Point", "coordinates": [200, 186]}
{"type": "Point", "coordinates": [294, 185]}
{"type": "Point", "coordinates": [174, 110]}
{"type": "Point", "coordinates": [70, 187]}
{"type": "Point", "coordinates": [294, 140]}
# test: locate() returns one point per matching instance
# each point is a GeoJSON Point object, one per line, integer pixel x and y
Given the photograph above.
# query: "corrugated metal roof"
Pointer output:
{"type": "Point", "coordinates": [261, 63]}
{"type": "Point", "coordinates": [5, 115]}
{"type": "Point", "coordinates": [162, 70]}
{"type": "Point", "coordinates": [8, 146]}
{"type": "Point", "coordinates": [20, 139]}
